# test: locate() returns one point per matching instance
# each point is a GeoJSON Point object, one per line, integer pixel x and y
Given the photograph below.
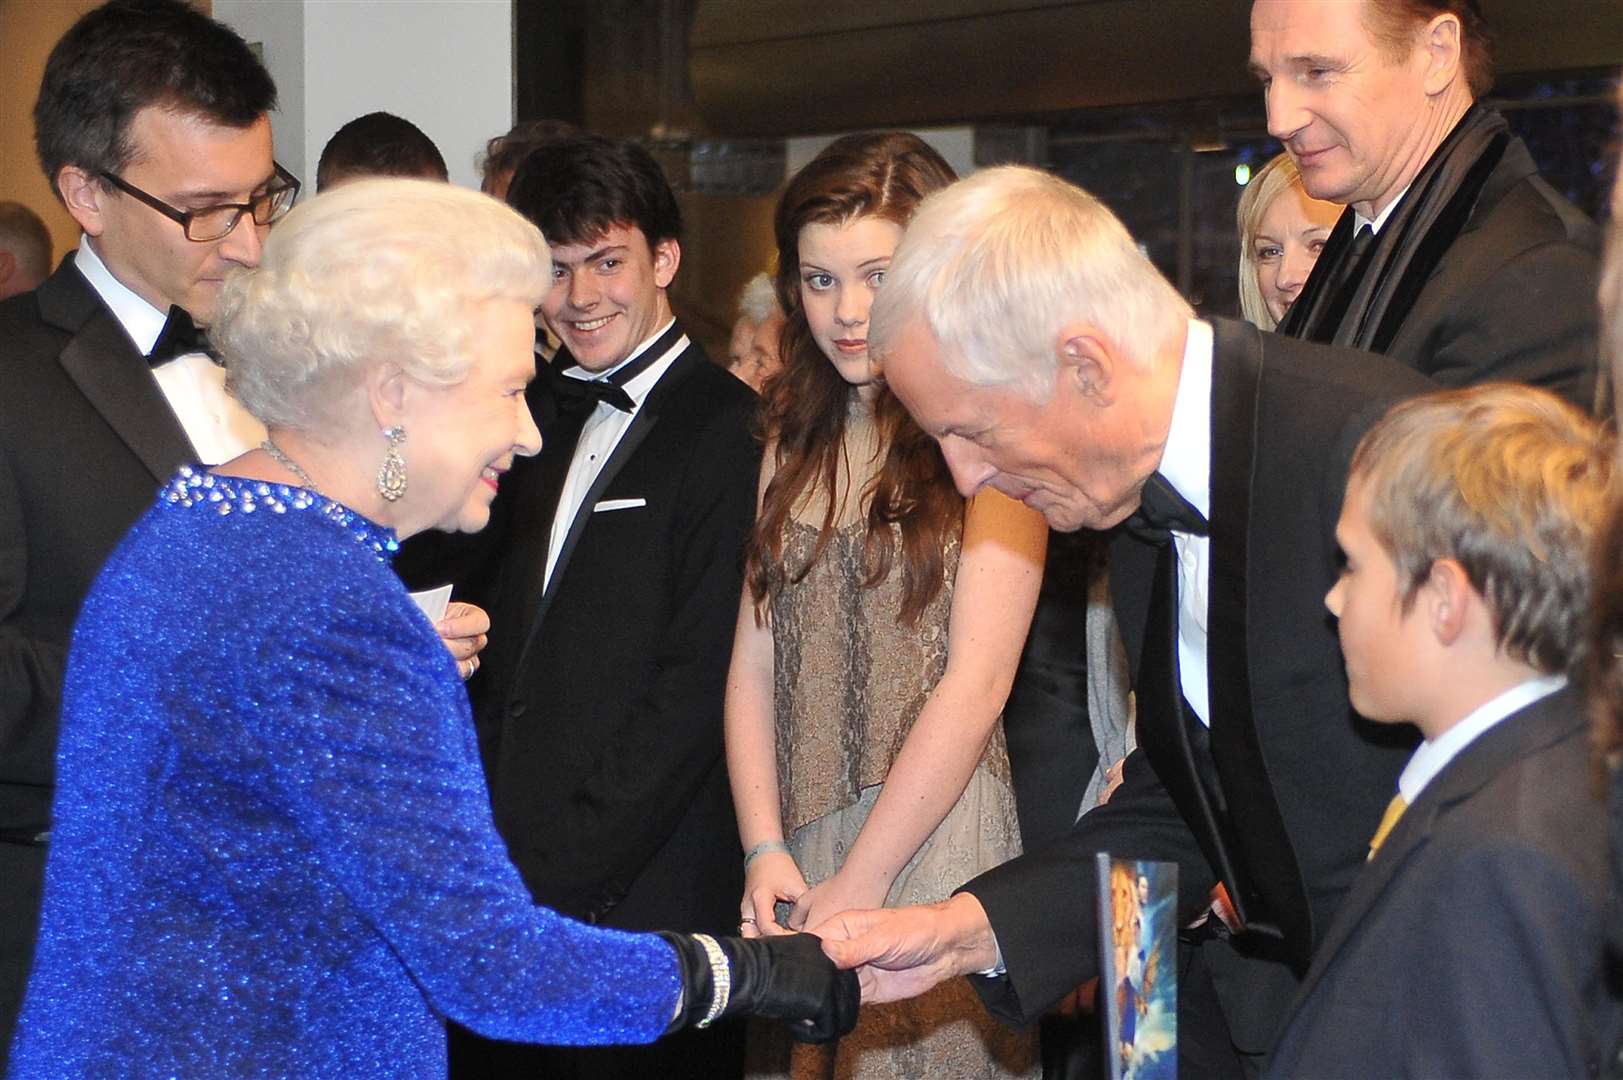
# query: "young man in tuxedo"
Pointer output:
{"type": "Point", "coordinates": [1453, 256]}
{"type": "Point", "coordinates": [151, 125]}
{"type": "Point", "coordinates": [1024, 330]}
{"type": "Point", "coordinates": [1472, 944]}
{"type": "Point", "coordinates": [619, 570]}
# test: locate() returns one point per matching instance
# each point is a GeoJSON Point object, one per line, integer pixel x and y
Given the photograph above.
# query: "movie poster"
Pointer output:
{"type": "Point", "coordinates": [1138, 971]}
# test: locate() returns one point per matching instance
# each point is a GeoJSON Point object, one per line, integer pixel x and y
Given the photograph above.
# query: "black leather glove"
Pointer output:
{"type": "Point", "coordinates": [782, 978]}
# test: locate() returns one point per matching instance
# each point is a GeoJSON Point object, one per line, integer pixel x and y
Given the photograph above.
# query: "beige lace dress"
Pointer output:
{"type": "Point", "coordinates": [849, 682]}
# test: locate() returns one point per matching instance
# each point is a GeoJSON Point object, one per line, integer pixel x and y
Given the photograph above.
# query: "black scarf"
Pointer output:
{"type": "Point", "coordinates": [1367, 310]}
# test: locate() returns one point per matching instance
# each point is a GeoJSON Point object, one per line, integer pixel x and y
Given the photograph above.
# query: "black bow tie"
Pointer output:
{"type": "Point", "coordinates": [583, 395]}
{"type": "Point", "coordinates": [1162, 511]}
{"type": "Point", "coordinates": [179, 337]}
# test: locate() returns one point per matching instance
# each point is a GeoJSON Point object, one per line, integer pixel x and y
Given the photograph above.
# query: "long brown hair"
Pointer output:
{"type": "Point", "coordinates": [885, 175]}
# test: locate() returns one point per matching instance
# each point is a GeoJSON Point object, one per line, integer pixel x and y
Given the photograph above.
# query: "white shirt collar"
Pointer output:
{"type": "Point", "coordinates": [1186, 461]}
{"type": "Point", "coordinates": [1432, 757]}
{"type": "Point", "coordinates": [637, 388]}
{"type": "Point", "coordinates": [1379, 222]}
{"type": "Point", "coordinates": [140, 320]}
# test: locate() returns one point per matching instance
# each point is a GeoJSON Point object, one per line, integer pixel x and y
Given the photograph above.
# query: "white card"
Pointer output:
{"type": "Point", "coordinates": [433, 602]}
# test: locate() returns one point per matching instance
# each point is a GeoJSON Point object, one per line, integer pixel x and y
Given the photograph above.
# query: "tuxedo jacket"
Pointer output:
{"type": "Point", "coordinates": [599, 702]}
{"type": "Point", "coordinates": [1303, 778]}
{"type": "Point", "coordinates": [86, 438]}
{"type": "Point", "coordinates": [1513, 297]}
{"type": "Point", "coordinates": [1471, 945]}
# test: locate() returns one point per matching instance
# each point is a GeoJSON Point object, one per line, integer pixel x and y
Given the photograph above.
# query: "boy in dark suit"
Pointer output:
{"type": "Point", "coordinates": [1471, 943]}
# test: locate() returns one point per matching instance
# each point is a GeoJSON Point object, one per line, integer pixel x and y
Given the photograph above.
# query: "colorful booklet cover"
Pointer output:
{"type": "Point", "coordinates": [1138, 969]}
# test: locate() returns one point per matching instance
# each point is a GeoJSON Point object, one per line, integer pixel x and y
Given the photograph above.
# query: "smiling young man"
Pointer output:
{"type": "Point", "coordinates": [1453, 255]}
{"type": "Point", "coordinates": [152, 126]}
{"type": "Point", "coordinates": [618, 570]}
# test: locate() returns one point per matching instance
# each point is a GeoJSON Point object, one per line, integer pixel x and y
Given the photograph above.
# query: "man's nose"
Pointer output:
{"type": "Point", "coordinates": [244, 242]}
{"type": "Point", "coordinates": [1286, 116]}
{"type": "Point", "coordinates": [970, 471]}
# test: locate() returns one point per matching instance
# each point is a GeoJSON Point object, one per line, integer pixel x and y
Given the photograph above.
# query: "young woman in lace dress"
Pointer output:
{"type": "Point", "coordinates": [878, 634]}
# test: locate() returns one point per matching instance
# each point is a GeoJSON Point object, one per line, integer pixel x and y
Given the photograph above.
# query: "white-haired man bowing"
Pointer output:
{"type": "Point", "coordinates": [1025, 331]}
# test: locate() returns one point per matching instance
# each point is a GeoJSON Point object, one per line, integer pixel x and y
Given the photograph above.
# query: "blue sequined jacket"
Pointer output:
{"type": "Point", "coordinates": [272, 849]}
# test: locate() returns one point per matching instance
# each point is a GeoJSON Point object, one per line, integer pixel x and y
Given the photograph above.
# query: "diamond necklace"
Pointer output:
{"type": "Point", "coordinates": [290, 465]}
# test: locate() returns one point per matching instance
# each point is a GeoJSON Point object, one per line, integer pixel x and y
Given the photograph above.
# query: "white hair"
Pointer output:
{"type": "Point", "coordinates": [997, 264]}
{"type": "Point", "coordinates": [373, 270]}
{"type": "Point", "coordinates": [758, 302]}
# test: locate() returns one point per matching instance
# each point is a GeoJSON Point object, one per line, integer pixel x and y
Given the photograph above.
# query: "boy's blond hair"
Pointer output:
{"type": "Point", "coordinates": [1510, 482]}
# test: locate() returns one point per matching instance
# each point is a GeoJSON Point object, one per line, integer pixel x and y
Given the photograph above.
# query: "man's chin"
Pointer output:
{"type": "Point", "coordinates": [1063, 518]}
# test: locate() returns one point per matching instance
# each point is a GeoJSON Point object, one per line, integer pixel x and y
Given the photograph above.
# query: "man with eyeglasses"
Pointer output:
{"type": "Point", "coordinates": [152, 126]}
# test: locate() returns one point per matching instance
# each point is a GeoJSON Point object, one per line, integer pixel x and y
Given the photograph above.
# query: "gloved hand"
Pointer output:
{"type": "Point", "coordinates": [781, 978]}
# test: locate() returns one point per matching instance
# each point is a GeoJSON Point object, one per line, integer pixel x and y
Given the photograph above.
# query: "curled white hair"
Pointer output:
{"type": "Point", "coordinates": [998, 264]}
{"type": "Point", "coordinates": [758, 302]}
{"type": "Point", "coordinates": [384, 269]}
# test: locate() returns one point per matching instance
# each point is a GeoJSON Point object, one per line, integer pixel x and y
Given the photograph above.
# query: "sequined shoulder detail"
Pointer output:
{"type": "Point", "coordinates": [234, 494]}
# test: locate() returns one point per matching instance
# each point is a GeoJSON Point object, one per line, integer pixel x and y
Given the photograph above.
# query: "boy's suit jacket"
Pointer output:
{"type": "Point", "coordinates": [1471, 944]}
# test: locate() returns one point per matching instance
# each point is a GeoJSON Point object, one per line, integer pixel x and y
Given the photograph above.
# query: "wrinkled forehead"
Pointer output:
{"type": "Point", "coordinates": [1287, 31]}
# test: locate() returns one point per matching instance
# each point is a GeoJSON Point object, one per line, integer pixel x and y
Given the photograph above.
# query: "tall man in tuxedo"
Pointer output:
{"type": "Point", "coordinates": [151, 125]}
{"type": "Point", "coordinates": [1023, 329]}
{"type": "Point", "coordinates": [1453, 256]}
{"type": "Point", "coordinates": [599, 706]}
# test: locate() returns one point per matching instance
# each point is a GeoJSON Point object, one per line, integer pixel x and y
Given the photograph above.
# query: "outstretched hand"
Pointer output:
{"type": "Point", "coordinates": [899, 953]}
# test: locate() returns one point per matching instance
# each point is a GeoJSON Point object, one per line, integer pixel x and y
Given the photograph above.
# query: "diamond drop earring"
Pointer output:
{"type": "Point", "coordinates": [392, 473]}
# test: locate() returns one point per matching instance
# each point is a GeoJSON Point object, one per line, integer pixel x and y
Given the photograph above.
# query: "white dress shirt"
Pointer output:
{"type": "Point", "coordinates": [1186, 462]}
{"type": "Point", "coordinates": [216, 423]}
{"type": "Point", "coordinates": [1432, 757]}
{"type": "Point", "coordinates": [1377, 223]}
{"type": "Point", "coordinates": [1187, 465]}
{"type": "Point", "coordinates": [604, 428]}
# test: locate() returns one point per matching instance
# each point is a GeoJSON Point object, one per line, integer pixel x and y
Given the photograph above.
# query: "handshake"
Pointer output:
{"type": "Point", "coordinates": [817, 981]}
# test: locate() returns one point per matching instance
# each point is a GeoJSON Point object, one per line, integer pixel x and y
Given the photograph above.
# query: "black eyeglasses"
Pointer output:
{"type": "Point", "coordinates": [210, 223]}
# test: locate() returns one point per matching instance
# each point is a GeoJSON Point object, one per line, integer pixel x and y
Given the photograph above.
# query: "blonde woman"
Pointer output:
{"type": "Point", "coordinates": [1282, 230]}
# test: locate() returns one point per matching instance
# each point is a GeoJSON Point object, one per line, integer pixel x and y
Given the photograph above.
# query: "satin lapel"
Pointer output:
{"type": "Point", "coordinates": [104, 364]}
{"type": "Point", "coordinates": [1545, 721]}
{"type": "Point", "coordinates": [641, 424]}
{"type": "Point", "coordinates": [535, 505]}
{"type": "Point", "coordinates": [1168, 736]}
{"type": "Point", "coordinates": [1237, 368]}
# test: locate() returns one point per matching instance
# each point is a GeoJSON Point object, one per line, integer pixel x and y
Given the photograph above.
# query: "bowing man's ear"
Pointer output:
{"type": "Point", "coordinates": [1087, 364]}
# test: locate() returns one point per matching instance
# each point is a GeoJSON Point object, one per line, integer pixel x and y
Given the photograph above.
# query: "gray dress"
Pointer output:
{"type": "Point", "coordinates": [850, 680]}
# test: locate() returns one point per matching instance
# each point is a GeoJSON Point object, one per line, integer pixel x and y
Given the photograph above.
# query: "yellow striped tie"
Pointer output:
{"type": "Point", "coordinates": [1394, 810]}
